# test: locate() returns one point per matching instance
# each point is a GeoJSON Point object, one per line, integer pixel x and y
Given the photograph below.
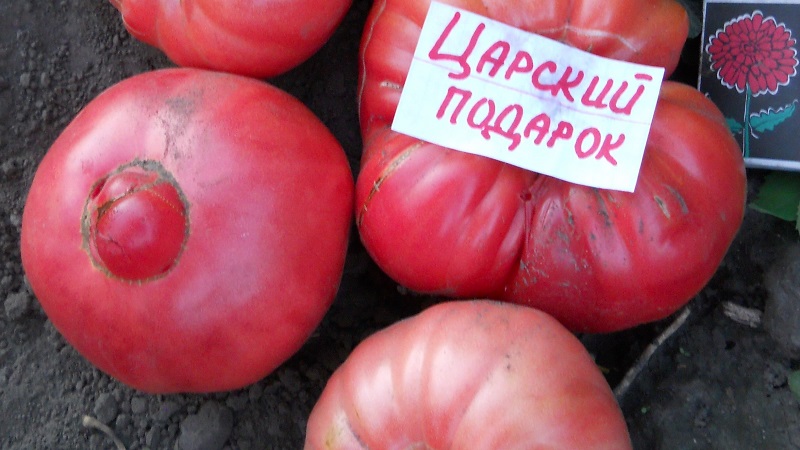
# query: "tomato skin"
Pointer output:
{"type": "Point", "coordinates": [450, 223]}
{"type": "Point", "coordinates": [259, 39]}
{"type": "Point", "coordinates": [468, 375]}
{"type": "Point", "coordinates": [268, 191]}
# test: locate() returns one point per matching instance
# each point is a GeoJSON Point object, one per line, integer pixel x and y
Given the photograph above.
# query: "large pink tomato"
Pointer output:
{"type": "Point", "coordinates": [455, 224]}
{"type": "Point", "coordinates": [255, 38]}
{"type": "Point", "coordinates": [187, 231]}
{"type": "Point", "coordinates": [471, 375]}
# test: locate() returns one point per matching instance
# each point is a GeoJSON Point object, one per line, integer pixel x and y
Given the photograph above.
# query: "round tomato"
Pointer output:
{"type": "Point", "coordinates": [469, 375]}
{"type": "Point", "coordinates": [187, 231]}
{"type": "Point", "coordinates": [455, 224]}
{"type": "Point", "coordinates": [254, 38]}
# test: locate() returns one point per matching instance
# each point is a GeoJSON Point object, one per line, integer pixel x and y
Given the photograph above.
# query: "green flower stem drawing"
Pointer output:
{"type": "Point", "coordinates": [748, 129]}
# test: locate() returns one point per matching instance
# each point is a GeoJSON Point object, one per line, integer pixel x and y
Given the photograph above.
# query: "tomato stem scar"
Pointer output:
{"type": "Point", "coordinates": [135, 222]}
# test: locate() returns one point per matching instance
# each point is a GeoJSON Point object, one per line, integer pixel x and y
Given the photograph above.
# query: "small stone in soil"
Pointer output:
{"type": "Point", "coordinates": [237, 402]}
{"type": "Point", "coordinates": [105, 408]}
{"type": "Point", "coordinates": [775, 376]}
{"type": "Point", "coordinates": [166, 410]}
{"type": "Point", "coordinates": [17, 305]}
{"type": "Point", "coordinates": [209, 429]}
{"type": "Point", "coordinates": [782, 309]}
{"type": "Point", "coordinates": [153, 437]}
{"type": "Point", "coordinates": [138, 405]}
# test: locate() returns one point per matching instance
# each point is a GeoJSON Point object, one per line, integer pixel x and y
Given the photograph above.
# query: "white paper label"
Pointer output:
{"type": "Point", "coordinates": [483, 87]}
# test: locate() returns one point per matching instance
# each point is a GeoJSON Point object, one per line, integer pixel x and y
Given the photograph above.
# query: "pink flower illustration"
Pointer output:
{"type": "Point", "coordinates": [753, 50]}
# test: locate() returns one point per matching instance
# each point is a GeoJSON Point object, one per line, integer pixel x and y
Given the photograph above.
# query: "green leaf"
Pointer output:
{"type": "Point", "coordinates": [734, 125]}
{"type": "Point", "coordinates": [779, 196]}
{"type": "Point", "coordinates": [794, 383]}
{"type": "Point", "coordinates": [769, 119]}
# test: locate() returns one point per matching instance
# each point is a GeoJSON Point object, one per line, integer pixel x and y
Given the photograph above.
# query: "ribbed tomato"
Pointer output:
{"type": "Point", "coordinates": [254, 38]}
{"type": "Point", "coordinates": [455, 224]}
{"type": "Point", "coordinates": [187, 231]}
{"type": "Point", "coordinates": [471, 375]}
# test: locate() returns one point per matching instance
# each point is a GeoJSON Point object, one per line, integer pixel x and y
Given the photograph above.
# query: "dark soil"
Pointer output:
{"type": "Point", "coordinates": [716, 383]}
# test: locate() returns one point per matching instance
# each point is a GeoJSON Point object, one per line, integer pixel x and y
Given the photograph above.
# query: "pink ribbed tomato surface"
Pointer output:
{"type": "Point", "coordinates": [255, 38]}
{"type": "Point", "coordinates": [471, 375]}
{"type": "Point", "coordinates": [187, 231]}
{"type": "Point", "coordinates": [455, 224]}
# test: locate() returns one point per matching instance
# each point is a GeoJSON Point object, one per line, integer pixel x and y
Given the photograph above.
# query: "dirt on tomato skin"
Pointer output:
{"type": "Point", "coordinates": [714, 384]}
